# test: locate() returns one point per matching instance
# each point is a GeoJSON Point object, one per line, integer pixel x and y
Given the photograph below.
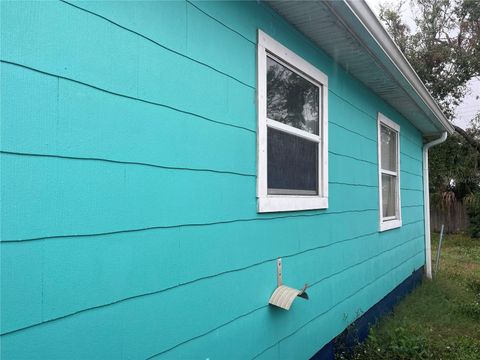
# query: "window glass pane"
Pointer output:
{"type": "Point", "coordinates": [389, 198]}
{"type": "Point", "coordinates": [292, 164]}
{"type": "Point", "coordinates": [388, 139]}
{"type": "Point", "coordinates": [291, 99]}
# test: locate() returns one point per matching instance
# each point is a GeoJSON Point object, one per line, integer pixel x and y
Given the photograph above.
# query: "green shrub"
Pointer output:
{"type": "Point", "coordinates": [399, 344]}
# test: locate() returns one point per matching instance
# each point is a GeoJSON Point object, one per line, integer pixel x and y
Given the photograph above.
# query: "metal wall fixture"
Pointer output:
{"type": "Point", "coordinates": [283, 296]}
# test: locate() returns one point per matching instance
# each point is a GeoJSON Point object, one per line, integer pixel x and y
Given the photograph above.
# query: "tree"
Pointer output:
{"type": "Point", "coordinates": [444, 48]}
{"type": "Point", "coordinates": [454, 170]}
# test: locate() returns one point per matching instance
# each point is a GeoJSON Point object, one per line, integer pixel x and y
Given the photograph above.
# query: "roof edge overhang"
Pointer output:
{"type": "Point", "coordinates": [358, 25]}
{"type": "Point", "coordinates": [370, 22]}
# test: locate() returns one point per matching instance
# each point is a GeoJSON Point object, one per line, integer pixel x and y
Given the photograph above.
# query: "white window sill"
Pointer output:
{"type": "Point", "coordinates": [390, 224]}
{"type": "Point", "coordinates": [274, 203]}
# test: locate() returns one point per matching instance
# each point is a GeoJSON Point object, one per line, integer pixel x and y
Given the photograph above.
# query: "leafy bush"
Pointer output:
{"type": "Point", "coordinates": [400, 344]}
{"type": "Point", "coordinates": [405, 343]}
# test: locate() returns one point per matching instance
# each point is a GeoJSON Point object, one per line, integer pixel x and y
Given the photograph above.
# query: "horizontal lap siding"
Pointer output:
{"type": "Point", "coordinates": [72, 119]}
{"type": "Point", "coordinates": [274, 335]}
{"type": "Point", "coordinates": [129, 224]}
{"type": "Point", "coordinates": [150, 323]}
{"type": "Point", "coordinates": [63, 197]}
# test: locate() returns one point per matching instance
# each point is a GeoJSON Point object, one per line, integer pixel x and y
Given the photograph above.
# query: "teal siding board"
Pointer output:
{"type": "Point", "coordinates": [76, 120]}
{"type": "Point", "coordinates": [128, 182]}
{"type": "Point", "coordinates": [88, 197]}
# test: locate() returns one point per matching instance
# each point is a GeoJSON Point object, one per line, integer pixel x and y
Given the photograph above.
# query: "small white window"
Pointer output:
{"type": "Point", "coordinates": [292, 130]}
{"type": "Point", "coordinates": [389, 173]}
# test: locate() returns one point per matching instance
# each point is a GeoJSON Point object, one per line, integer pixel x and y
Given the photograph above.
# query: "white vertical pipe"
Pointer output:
{"type": "Point", "coordinates": [426, 204]}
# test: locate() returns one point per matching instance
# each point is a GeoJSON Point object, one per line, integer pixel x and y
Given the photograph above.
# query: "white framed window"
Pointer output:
{"type": "Point", "coordinates": [389, 173]}
{"type": "Point", "coordinates": [292, 171]}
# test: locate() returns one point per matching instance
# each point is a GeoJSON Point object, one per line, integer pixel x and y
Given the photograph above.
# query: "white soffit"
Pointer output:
{"type": "Point", "coordinates": [353, 36]}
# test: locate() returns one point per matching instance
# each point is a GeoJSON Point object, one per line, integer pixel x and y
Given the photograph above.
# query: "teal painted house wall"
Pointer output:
{"type": "Point", "coordinates": [128, 189]}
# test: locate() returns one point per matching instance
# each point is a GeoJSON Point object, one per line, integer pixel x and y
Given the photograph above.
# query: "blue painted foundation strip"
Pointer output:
{"type": "Point", "coordinates": [358, 331]}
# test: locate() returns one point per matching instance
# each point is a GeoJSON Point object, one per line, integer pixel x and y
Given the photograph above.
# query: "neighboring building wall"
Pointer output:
{"type": "Point", "coordinates": [128, 179]}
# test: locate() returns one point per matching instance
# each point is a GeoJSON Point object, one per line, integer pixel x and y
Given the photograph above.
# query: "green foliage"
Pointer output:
{"type": "Point", "coordinates": [440, 319]}
{"type": "Point", "coordinates": [444, 47]}
{"type": "Point", "coordinates": [444, 50]}
{"type": "Point", "coordinates": [401, 343]}
{"type": "Point", "coordinates": [453, 168]}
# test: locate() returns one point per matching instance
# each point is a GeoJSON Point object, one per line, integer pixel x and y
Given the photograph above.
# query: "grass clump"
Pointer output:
{"type": "Point", "coordinates": [440, 319]}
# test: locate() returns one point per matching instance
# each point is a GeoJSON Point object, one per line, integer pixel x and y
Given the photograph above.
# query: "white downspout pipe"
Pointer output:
{"type": "Point", "coordinates": [426, 204]}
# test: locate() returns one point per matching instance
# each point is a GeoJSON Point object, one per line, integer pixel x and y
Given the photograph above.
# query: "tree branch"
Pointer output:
{"type": "Point", "coordinates": [467, 137]}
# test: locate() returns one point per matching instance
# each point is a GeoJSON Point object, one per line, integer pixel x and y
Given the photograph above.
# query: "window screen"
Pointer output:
{"type": "Point", "coordinates": [292, 159]}
{"type": "Point", "coordinates": [292, 164]}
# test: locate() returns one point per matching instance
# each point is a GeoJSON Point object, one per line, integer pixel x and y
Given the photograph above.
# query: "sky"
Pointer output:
{"type": "Point", "coordinates": [471, 103]}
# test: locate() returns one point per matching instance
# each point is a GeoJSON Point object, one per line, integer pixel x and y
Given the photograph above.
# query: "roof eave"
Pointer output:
{"type": "Point", "coordinates": [370, 22]}
{"type": "Point", "coordinates": [353, 36]}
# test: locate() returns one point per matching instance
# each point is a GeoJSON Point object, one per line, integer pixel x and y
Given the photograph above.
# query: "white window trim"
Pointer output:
{"type": "Point", "coordinates": [274, 203]}
{"type": "Point", "coordinates": [388, 223]}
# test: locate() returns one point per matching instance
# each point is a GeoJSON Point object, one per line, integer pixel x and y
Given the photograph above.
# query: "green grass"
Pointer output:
{"type": "Point", "coordinates": [441, 318]}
